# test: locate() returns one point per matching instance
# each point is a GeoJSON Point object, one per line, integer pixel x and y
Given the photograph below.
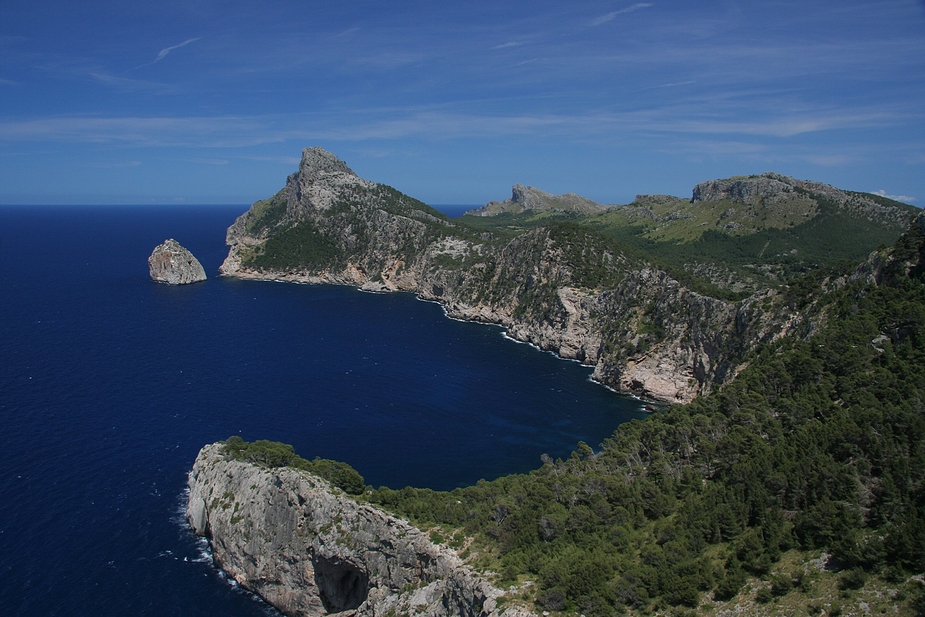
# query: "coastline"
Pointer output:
{"type": "Point", "coordinates": [648, 404]}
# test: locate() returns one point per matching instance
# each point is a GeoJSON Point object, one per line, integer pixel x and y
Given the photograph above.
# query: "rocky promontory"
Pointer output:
{"type": "Point", "coordinates": [567, 284]}
{"type": "Point", "coordinates": [171, 263]}
{"type": "Point", "coordinates": [310, 550]}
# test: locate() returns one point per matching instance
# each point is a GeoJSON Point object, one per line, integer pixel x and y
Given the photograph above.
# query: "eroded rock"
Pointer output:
{"type": "Point", "coordinates": [173, 264]}
{"type": "Point", "coordinates": [309, 550]}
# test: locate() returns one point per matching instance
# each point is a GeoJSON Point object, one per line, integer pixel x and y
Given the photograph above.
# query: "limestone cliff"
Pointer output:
{"type": "Point", "coordinates": [173, 264]}
{"type": "Point", "coordinates": [563, 287]}
{"type": "Point", "coordinates": [309, 550]}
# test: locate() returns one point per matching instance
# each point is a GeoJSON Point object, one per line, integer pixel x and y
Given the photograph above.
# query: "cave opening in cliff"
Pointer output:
{"type": "Point", "coordinates": [341, 585]}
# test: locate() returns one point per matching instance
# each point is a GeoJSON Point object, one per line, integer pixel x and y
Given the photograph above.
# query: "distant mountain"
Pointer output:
{"type": "Point", "coordinates": [740, 234]}
{"type": "Point", "coordinates": [664, 297]}
{"type": "Point", "coordinates": [528, 198]}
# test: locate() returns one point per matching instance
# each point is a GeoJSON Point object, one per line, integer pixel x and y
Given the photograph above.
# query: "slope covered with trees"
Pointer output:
{"type": "Point", "coordinates": [797, 489]}
{"type": "Point", "coordinates": [819, 445]}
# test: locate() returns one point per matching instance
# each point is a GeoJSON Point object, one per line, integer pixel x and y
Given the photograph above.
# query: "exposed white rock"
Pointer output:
{"type": "Point", "coordinates": [310, 550]}
{"type": "Point", "coordinates": [172, 264]}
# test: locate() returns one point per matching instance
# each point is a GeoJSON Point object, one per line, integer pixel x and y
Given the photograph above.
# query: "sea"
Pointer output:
{"type": "Point", "coordinates": [111, 383]}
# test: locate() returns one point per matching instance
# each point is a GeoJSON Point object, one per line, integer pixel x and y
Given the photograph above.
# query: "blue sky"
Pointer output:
{"type": "Point", "coordinates": [212, 102]}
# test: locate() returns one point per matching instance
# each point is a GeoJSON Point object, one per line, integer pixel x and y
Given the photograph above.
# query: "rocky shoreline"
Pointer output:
{"type": "Point", "coordinates": [309, 550]}
{"type": "Point", "coordinates": [563, 289]}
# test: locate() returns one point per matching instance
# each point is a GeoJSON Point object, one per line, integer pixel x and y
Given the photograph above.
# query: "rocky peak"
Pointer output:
{"type": "Point", "coordinates": [766, 187]}
{"type": "Point", "coordinates": [173, 264]}
{"type": "Point", "coordinates": [531, 198]}
{"type": "Point", "coordinates": [322, 178]}
{"type": "Point", "coordinates": [317, 161]}
{"type": "Point", "coordinates": [771, 189]}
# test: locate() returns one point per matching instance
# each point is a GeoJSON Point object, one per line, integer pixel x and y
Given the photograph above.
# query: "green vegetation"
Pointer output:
{"type": "Point", "coordinates": [275, 454]}
{"type": "Point", "coordinates": [347, 230]}
{"type": "Point", "coordinates": [816, 448]}
{"type": "Point", "coordinates": [726, 249]}
{"type": "Point", "coordinates": [266, 214]}
{"type": "Point", "coordinates": [301, 245]}
{"type": "Point", "coordinates": [818, 445]}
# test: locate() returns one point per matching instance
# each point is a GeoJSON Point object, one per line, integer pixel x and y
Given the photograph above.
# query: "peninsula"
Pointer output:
{"type": "Point", "coordinates": [664, 297]}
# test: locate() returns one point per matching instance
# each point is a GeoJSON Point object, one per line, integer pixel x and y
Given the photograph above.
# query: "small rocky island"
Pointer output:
{"type": "Point", "coordinates": [171, 263]}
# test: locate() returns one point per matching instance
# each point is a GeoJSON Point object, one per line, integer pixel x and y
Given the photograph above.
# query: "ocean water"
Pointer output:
{"type": "Point", "coordinates": [111, 383]}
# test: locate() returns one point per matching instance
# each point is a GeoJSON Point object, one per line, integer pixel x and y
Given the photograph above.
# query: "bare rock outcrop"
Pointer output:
{"type": "Point", "coordinates": [772, 188]}
{"type": "Point", "coordinates": [173, 264]}
{"type": "Point", "coordinates": [530, 198]}
{"type": "Point", "coordinates": [309, 550]}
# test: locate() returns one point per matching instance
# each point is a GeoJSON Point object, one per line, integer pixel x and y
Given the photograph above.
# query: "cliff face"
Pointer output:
{"type": "Point", "coordinates": [310, 550]}
{"type": "Point", "coordinates": [566, 289]}
{"type": "Point", "coordinates": [172, 264]}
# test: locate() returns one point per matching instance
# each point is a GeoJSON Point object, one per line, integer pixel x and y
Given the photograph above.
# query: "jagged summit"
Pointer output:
{"type": "Point", "coordinates": [531, 198]}
{"type": "Point", "coordinates": [317, 161]}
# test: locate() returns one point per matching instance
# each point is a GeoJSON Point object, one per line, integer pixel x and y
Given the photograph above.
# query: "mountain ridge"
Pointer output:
{"type": "Point", "coordinates": [649, 328]}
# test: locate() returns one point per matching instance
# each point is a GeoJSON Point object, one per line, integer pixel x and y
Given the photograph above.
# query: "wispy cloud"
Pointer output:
{"type": "Point", "coordinates": [164, 52]}
{"type": "Point", "coordinates": [126, 83]}
{"type": "Point", "coordinates": [883, 193]}
{"type": "Point", "coordinates": [700, 121]}
{"type": "Point", "coordinates": [507, 45]}
{"type": "Point", "coordinates": [829, 160]}
{"type": "Point", "coordinates": [7, 82]}
{"type": "Point", "coordinates": [224, 131]}
{"type": "Point", "coordinates": [669, 85]}
{"type": "Point", "coordinates": [113, 165]}
{"type": "Point", "coordinates": [603, 19]}
{"type": "Point", "coordinates": [205, 161]}
{"type": "Point", "coordinates": [284, 160]}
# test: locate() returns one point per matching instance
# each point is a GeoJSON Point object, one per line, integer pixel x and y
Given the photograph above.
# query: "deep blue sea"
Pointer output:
{"type": "Point", "coordinates": [111, 383]}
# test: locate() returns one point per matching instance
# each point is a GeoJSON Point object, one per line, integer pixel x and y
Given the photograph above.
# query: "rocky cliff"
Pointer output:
{"type": "Point", "coordinates": [564, 287]}
{"type": "Point", "coordinates": [309, 550]}
{"type": "Point", "coordinates": [172, 264]}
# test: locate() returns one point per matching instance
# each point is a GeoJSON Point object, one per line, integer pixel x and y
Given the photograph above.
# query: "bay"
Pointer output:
{"type": "Point", "coordinates": [111, 383]}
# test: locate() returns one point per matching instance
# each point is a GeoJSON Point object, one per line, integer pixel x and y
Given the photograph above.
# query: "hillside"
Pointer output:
{"type": "Point", "coordinates": [593, 287]}
{"type": "Point", "coordinates": [789, 483]}
{"type": "Point", "coordinates": [796, 490]}
{"type": "Point", "coordinates": [740, 234]}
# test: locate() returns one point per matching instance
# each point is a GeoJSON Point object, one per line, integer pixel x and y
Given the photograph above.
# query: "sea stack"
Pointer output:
{"type": "Point", "coordinates": [172, 264]}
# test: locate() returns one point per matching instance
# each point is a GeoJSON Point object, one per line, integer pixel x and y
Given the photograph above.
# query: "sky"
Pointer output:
{"type": "Point", "coordinates": [175, 102]}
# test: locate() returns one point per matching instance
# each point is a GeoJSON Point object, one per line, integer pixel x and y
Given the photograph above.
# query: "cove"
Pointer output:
{"type": "Point", "coordinates": [112, 383]}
